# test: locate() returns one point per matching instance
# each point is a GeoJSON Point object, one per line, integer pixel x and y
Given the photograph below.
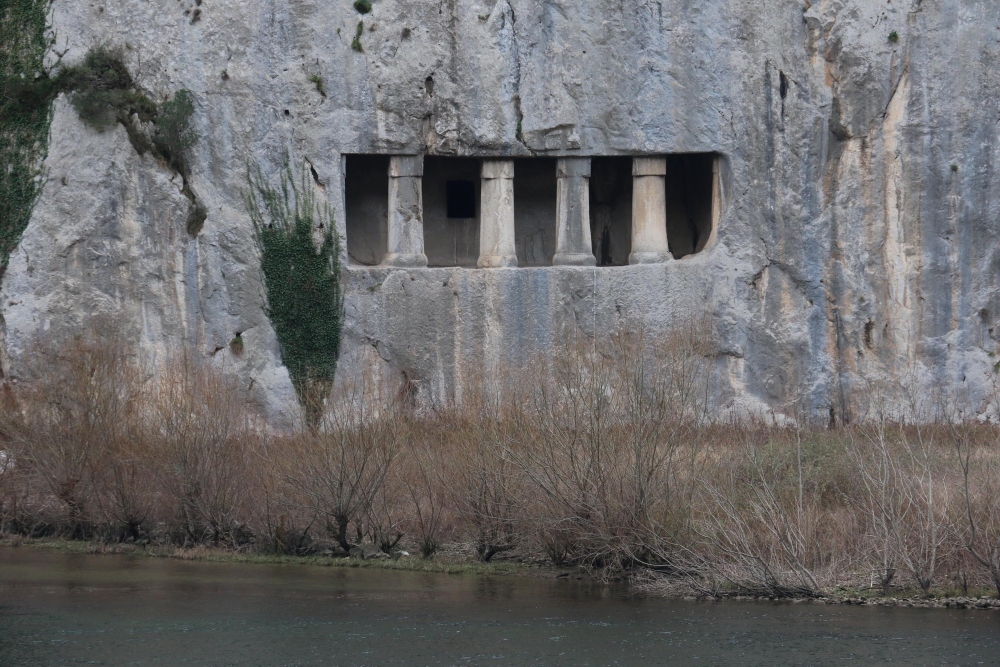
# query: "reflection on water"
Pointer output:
{"type": "Point", "coordinates": [58, 609]}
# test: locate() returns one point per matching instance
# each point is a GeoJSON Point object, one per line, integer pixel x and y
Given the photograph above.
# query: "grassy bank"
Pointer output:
{"type": "Point", "coordinates": [443, 565]}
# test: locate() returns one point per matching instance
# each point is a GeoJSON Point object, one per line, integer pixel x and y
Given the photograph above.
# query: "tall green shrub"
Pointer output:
{"type": "Point", "coordinates": [24, 118]}
{"type": "Point", "coordinates": [302, 281]}
{"type": "Point", "coordinates": [104, 91]}
{"type": "Point", "coordinates": [174, 134]}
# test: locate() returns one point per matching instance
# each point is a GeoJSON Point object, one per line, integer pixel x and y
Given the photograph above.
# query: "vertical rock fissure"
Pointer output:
{"type": "Point", "coordinates": [519, 114]}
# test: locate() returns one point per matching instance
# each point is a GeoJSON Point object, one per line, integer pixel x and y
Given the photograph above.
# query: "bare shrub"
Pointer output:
{"type": "Point", "coordinates": [759, 524]}
{"type": "Point", "coordinates": [484, 484]}
{"type": "Point", "coordinates": [340, 467]}
{"type": "Point", "coordinates": [612, 433]}
{"type": "Point", "coordinates": [922, 524]}
{"type": "Point", "coordinates": [870, 453]}
{"type": "Point", "coordinates": [903, 494]}
{"type": "Point", "coordinates": [976, 450]}
{"type": "Point", "coordinates": [276, 509]}
{"type": "Point", "coordinates": [202, 432]}
{"type": "Point", "coordinates": [384, 519]}
{"type": "Point", "coordinates": [426, 491]}
{"type": "Point", "coordinates": [125, 495]}
{"type": "Point", "coordinates": [76, 401]}
{"type": "Point", "coordinates": [8, 496]}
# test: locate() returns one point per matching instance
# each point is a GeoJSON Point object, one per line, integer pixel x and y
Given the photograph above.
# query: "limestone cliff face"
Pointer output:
{"type": "Point", "coordinates": [859, 235]}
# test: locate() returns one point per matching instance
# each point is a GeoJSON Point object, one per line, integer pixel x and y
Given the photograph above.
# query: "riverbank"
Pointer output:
{"type": "Point", "coordinates": [911, 600]}
{"type": "Point", "coordinates": [451, 561]}
{"type": "Point", "coordinates": [448, 562]}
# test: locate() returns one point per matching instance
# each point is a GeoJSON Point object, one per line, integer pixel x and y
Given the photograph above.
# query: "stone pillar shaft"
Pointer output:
{"type": "Point", "coordinates": [496, 215]}
{"type": "Point", "coordinates": [573, 243]}
{"type": "Point", "coordinates": [406, 212]}
{"type": "Point", "coordinates": [649, 211]}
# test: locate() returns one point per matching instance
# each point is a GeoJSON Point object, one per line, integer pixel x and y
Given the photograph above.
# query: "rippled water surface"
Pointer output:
{"type": "Point", "coordinates": [61, 609]}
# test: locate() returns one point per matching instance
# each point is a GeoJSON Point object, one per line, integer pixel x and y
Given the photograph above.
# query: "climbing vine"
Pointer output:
{"type": "Point", "coordinates": [302, 281]}
{"type": "Point", "coordinates": [24, 123]}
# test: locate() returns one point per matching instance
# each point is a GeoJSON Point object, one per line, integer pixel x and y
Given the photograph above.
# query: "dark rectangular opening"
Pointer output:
{"type": "Point", "coordinates": [366, 206]}
{"type": "Point", "coordinates": [689, 202]}
{"type": "Point", "coordinates": [535, 211]}
{"type": "Point", "coordinates": [611, 209]}
{"type": "Point", "coordinates": [461, 199]}
{"type": "Point", "coordinates": [451, 211]}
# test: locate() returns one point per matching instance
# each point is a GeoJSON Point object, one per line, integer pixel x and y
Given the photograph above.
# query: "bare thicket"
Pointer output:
{"type": "Point", "coordinates": [603, 457]}
{"type": "Point", "coordinates": [201, 429]}
{"type": "Point", "coordinates": [610, 436]}
{"type": "Point", "coordinates": [64, 422]}
{"type": "Point", "coordinates": [339, 468]}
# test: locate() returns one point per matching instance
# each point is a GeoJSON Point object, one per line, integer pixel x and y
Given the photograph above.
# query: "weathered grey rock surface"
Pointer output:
{"type": "Point", "coordinates": [860, 234]}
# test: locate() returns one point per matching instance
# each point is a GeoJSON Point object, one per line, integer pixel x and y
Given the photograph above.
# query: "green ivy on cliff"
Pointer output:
{"type": "Point", "coordinates": [24, 122]}
{"type": "Point", "coordinates": [302, 281]}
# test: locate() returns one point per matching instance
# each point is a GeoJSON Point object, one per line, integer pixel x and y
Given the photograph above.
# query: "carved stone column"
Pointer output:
{"type": "Point", "coordinates": [573, 244]}
{"type": "Point", "coordinates": [649, 211]}
{"type": "Point", "coordinates": [406, 212]}
{"type": "Point", "coordinates": [496, 215]}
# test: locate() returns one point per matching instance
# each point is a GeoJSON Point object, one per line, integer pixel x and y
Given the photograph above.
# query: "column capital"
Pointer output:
{"type": "Point", "coordinates": [568, 167]}
{"type": "Point", "coordinates": [401, 166]}
{"type": "Point", "coordinates": [649, 166]}
{"type": "Point", "coordinates": [493, 169]}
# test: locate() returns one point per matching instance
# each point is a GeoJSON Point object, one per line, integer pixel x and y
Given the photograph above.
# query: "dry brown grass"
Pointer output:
{"type": "Point", "coordinates": [604, 458]}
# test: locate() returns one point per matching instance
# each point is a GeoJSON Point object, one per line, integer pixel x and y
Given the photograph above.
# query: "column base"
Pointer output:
{"type": "Point", "coordinates": [405, 260]}
{"type": "Point", "coordinates": [651, 257]}
{"type": "Point", "coordinates": [574, 259]}
{"type": "Point", "coordinates": [497, 261]}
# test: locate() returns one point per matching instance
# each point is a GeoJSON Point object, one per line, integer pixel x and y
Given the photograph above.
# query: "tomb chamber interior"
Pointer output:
{"type": "Point", "coordinates": [611, 209]}
{"type": "Point", "coordinates": [535, 211]}
{"type": "Point", "coordinates": [451, 191]}
{"type": "Point", "coordinates": [366, 204]}
{"type": "Point", "coordinates": [451, 211]}
{"type": "Point", "coordinates": [689, 202]}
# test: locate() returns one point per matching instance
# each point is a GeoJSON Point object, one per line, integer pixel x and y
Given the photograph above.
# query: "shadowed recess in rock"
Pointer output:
{"type": "Point", "coordinates": [611, 209]}
{"type": "Point", "coordinates": [366, 187]}
{"type": "Point", "coordinates": [689, 202]}
{"type": "Point", "coordinates": [451, 215]}
{"type": "Point", "coordinates": [535, 211]}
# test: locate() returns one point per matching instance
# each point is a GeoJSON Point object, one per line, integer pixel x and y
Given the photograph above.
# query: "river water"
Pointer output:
{"type": "Point", "coordinates": [62, 609]}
